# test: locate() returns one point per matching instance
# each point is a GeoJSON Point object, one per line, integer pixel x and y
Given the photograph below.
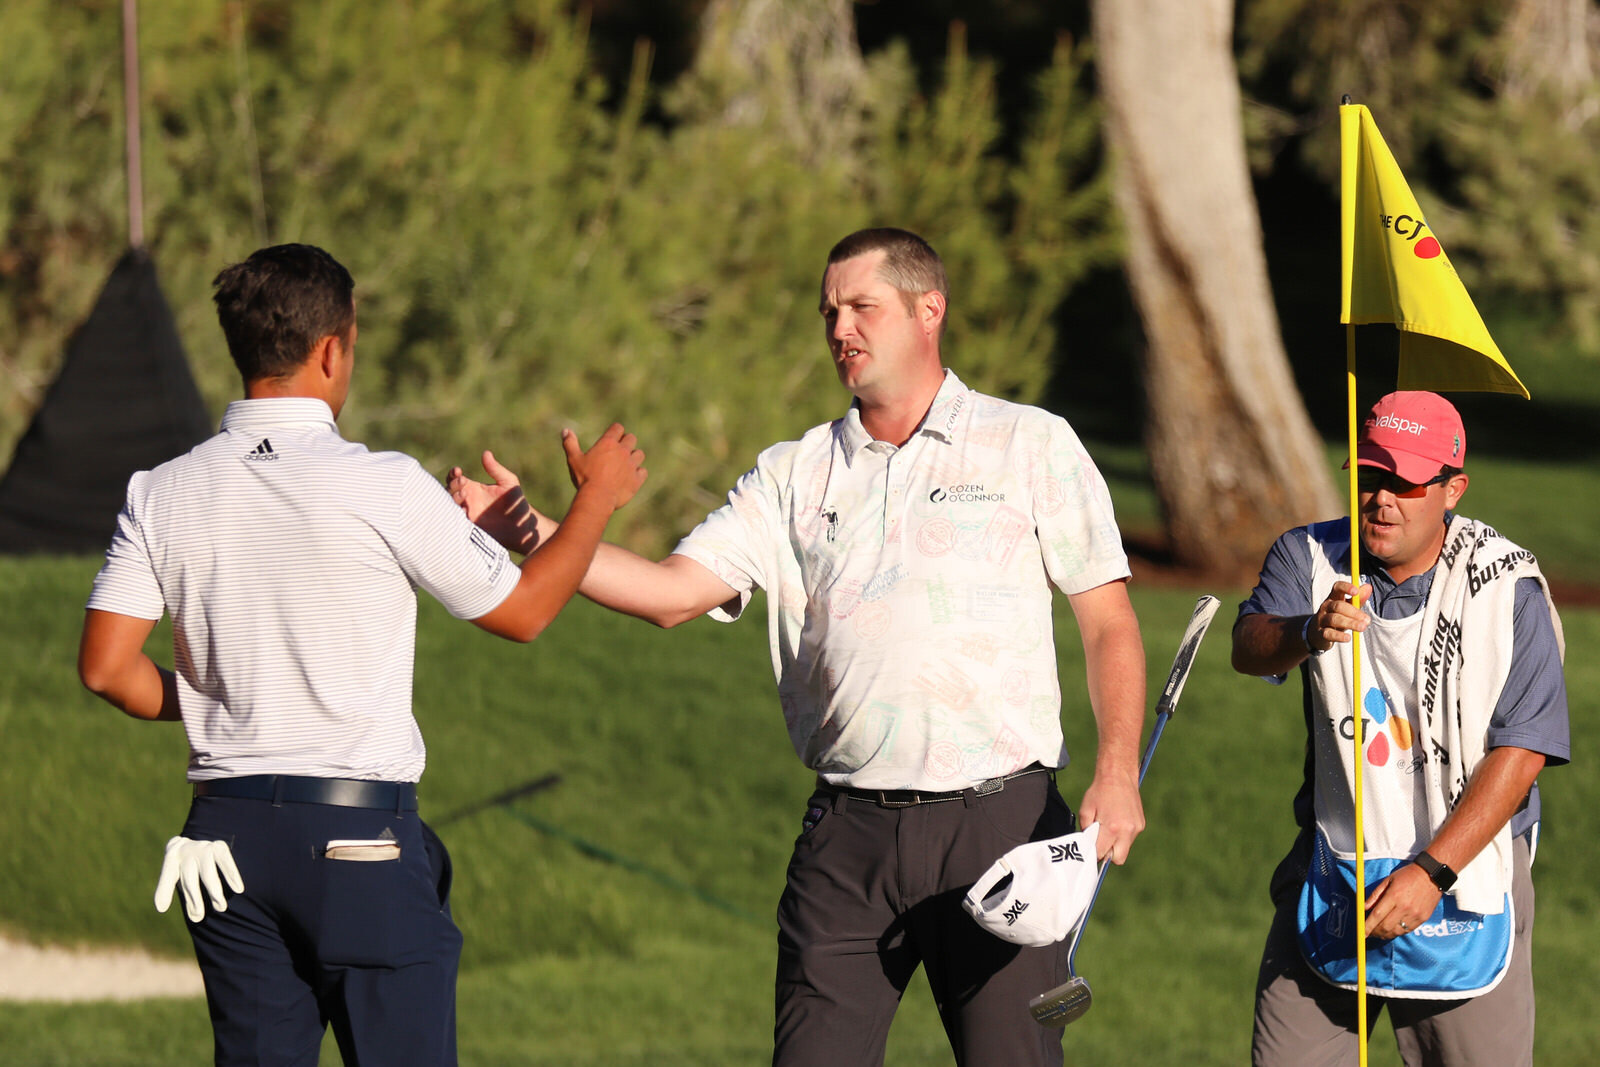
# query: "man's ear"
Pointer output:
{"type": "Point", "coordinates": [327, 353]}
{"type": "Point", "coordinates": [930, 310]}
{"type": "Point", "coordinates": [1454, 490]}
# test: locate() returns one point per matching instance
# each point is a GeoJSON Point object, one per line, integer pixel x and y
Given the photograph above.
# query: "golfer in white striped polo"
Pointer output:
{"type": "Point", "coordinates": [288, 559]}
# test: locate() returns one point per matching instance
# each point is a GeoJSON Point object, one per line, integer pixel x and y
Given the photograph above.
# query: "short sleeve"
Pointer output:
{"type": "Point", "coordinates": [127, 583]}
{"type": "Point", "coordinates": [441, 551]}
{"type": "Point", "coordinates": [1077, 528]}
{"type": "Point", "coordinates": [1284, 585]}
{"type": "Point", "coordinates": [738, 541]}
{"type": "Point", "coordinates": [1532, 710]}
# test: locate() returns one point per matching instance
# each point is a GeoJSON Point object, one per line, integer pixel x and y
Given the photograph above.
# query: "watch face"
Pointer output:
{"type": "Point", "coordinates": [1438, 873]}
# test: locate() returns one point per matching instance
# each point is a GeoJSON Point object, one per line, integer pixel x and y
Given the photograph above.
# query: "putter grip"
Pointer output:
{"type": "Point", "coordinates": [1204, 610]}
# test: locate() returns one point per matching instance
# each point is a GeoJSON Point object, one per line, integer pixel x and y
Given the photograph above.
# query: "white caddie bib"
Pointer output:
{"type": "Point", "coordinates": [1455, 953]}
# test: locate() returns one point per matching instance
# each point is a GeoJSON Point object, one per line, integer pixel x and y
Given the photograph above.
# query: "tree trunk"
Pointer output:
{"type": "Point", "coordinates": [1232, 452]}
{"type": "Point", "coordinates": [1553, 44]}
{"type": "Point", "coordinates": [791, 64]}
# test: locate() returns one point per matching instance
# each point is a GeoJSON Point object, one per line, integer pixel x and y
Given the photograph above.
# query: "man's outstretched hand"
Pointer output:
{"type": "Point", "coordinates": [613, 465]}
{"type": "Point", "coordinates": [499, 507]}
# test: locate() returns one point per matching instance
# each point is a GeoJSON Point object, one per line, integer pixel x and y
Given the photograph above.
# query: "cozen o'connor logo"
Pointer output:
{"type": "Point", "coordinates": [1410, 229]}
{"type": "Point", "coordinates": [968, 493]}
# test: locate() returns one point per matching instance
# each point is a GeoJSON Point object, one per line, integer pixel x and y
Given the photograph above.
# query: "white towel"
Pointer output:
{"type": "Point", "coordinates": [1462, 664]}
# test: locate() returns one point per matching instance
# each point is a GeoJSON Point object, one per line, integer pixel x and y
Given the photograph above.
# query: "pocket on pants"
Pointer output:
{"type": "Point", "coordinates": [439, 865]}
{"type": "Point", "coordinates": [1024, 812]}
{"type": "Point", "coordinates": [387, 913]}
{"type": "Point", "coordinates": [359, 916]}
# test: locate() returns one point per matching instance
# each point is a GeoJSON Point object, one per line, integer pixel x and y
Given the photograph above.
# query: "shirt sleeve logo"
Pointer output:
{"type": "Point", "coordinates": [493, 554]}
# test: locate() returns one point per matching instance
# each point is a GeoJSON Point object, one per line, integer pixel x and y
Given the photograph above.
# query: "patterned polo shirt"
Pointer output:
{"type": "Point", "coordinates": [289, 559]}
{"type": "Point", "coordinates": [909, 589]}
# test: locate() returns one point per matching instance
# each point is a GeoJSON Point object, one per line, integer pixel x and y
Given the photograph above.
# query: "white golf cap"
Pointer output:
{"type": "Point", "coordinates": [1036, 894]}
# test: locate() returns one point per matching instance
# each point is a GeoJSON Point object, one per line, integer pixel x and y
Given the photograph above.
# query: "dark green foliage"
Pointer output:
{"type": "Point", "coordinates": [529, 254]}
{"type": "Point", "coordinates": [1493, 116]}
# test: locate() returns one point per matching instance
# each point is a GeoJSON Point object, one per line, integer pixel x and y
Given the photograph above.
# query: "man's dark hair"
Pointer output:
{"type": "Point", "coordinates": [275, 306]}
{"type": "Point", "coordinates": [910, 264]}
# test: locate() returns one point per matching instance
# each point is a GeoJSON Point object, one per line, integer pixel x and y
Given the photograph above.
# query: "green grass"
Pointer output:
{"type": "Point", "coordinates": [640, 931]}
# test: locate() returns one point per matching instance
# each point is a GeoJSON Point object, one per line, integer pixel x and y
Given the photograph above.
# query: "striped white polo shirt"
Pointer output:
{"type": "Point", "coordinates": [289, 559]}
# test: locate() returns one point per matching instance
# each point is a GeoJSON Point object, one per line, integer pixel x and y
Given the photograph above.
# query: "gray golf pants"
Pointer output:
{"type": "Point", "coordinates": [873, 891]}
{"type": "Point", "coordinates": [1302, 1021]}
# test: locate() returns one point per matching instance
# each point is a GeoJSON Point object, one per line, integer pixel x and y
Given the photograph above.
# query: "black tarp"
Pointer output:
{"type": "Point", "coordinates": [123, 402]}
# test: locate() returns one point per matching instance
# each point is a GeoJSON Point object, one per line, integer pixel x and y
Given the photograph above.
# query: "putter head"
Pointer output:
{"type": "Point", "coordinates": [1061, 1005]}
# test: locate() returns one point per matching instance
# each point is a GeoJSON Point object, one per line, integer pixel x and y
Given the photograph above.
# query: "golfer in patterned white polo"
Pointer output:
{"type": "Point", "coordinates": [288, 559]}
{"type": "Point", "coordinates": [909, 551]}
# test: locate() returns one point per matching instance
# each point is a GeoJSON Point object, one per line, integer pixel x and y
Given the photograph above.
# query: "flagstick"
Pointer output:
{"type": "Point", "coordinates": [130, 110]}
{"type": "Point", "coordinates": [1355, 700]}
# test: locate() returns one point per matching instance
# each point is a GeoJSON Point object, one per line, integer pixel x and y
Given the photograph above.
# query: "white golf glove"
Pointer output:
{"type": "Point", "coordinates": [193, 864]}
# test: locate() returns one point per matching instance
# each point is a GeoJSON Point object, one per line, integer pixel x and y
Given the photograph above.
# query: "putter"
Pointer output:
{"type": "Point", "coordinates": [1067, 1002]}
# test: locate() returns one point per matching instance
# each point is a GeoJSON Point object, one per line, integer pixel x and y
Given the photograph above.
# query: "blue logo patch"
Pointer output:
{"type": "Point", "coordinates": [1376, 706]}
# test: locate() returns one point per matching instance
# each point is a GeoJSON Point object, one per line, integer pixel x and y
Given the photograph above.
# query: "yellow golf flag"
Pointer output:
{"type": "Point", "coordinates": [1395, 271]}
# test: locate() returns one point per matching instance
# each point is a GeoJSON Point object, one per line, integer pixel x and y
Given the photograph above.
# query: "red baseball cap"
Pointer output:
{"type": "Point", "coordinates": [1413, 434]}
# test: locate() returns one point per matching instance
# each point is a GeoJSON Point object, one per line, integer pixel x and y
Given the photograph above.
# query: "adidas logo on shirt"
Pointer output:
{"type": "Point", "coordinates": [261, 453]}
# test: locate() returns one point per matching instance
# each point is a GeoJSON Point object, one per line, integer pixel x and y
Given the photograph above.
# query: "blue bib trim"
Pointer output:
{"type": "Point", "coordinates": [1454, 954]}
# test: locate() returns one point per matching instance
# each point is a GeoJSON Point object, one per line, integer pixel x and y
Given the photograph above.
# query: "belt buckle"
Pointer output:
{"type": "Point", "coordinates": [885, 802]}
{"type": "Point", "coordinates": [988, 787]}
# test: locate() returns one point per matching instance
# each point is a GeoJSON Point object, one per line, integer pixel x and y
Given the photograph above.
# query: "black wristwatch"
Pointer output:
{"type": "Point", "coordinates": [1438, 873]}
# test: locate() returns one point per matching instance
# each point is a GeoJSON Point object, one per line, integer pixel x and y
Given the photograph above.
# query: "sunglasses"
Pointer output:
{"type": "Point", "coordinates": [1371, 479]}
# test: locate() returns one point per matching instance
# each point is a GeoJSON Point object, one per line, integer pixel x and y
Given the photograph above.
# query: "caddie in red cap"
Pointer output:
{"type": "Point", "coordinates": [1463, 703]}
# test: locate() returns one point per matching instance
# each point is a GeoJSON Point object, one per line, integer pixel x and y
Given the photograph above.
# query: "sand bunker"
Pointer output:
{"type": "Point", "coordinates": [42, 972]}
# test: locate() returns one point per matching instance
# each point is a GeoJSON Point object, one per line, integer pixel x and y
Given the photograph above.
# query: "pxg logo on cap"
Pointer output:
{"type": "Point", "coordinates": [1036, 894]}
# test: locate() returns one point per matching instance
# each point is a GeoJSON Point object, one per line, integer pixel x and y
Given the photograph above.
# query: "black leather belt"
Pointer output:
{"type": "Point", "coordinates": [290, 789]}
{"type": "Point", "coordinates": [907, 798]}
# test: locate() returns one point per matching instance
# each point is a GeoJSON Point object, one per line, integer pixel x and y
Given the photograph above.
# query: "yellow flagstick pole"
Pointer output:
{"type": "Point", "coordinates": [1355, 699]}
{"type": "Point", "coordinates": [1394, 278]}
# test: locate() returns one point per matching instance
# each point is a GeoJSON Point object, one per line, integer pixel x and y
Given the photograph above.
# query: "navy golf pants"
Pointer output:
{"type": "Point", "coordinates": [366, 946]}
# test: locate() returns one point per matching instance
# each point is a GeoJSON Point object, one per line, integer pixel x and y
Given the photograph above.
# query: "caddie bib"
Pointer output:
{"type": "Point", "coordinates": [1455, 953]}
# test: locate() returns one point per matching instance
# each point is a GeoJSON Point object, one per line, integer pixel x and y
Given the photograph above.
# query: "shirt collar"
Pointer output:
{"type": "Point", "coordinates": [1384, 586]}
{"type": "Point", "coordinates": [938, 424]}
{"type": "Point", "coordinates": [274, 411]}
{"type": "Point", "coordinates": [945, 411]}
